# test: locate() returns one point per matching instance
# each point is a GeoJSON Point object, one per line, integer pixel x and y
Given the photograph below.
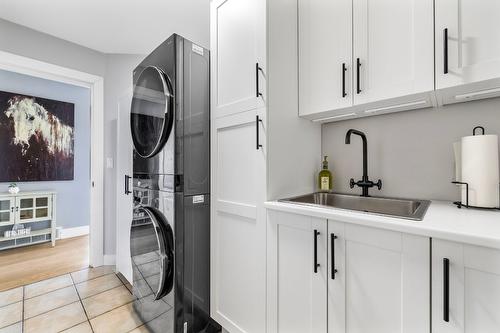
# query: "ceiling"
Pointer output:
{"type": "Point", "coordinates": [113, 26]}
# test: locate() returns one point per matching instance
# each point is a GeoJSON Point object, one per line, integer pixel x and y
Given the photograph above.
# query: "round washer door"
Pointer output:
{"type": "Point", "coordinates": [152, 111]}
{"type": "Point", "coordinates": [152, 250]}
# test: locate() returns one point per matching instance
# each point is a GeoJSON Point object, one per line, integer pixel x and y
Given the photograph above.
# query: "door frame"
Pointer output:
{"type": "Point", "coordinates": [28, 66]}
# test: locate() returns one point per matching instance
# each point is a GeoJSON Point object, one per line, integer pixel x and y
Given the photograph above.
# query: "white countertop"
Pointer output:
{"type": "Point", "coordinates": [443, 220]}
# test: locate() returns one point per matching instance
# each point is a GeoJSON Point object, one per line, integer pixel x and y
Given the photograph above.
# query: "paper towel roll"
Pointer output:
{"type": "Point", "coordinates": [480, 170]}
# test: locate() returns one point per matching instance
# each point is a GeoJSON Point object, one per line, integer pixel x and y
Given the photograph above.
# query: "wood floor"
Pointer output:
{"type": "Point", "coordinates": [30, 264]}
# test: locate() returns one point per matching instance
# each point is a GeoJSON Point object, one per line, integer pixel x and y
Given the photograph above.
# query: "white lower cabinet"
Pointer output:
{"type": "Point", "coordinates": [368, 279]}
{"type": "Point", "coordinates": [381, 282]}
{"type": "Point", "coordinates": [297, 273]}
{"type": "Point", "coordinates": [465, 288]}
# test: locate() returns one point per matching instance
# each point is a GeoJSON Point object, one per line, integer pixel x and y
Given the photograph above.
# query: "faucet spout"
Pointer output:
{"type": "Point", "coordinates": [364, 183]}
{"type": "Point", "coordinates": [353, 131]}
{"type": "Point", "coordinates": [365, 149]}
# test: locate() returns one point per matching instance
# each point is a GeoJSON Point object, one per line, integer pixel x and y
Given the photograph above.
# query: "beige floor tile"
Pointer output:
{"type": "Point", "coordinates": [98, 285]}
{"type": "Point", "coordinates": [45, 286]}
{"type": "Point", "coordinates": [11, 296]}
{"type": "Point", "coordinates": [158, 324]}
{"type": "Point", "coordinates": [106, 301]}
{"type": "Point", "coordinates": [11, 314]}
{"type": "Point", "coordinates": [141, 329]}
{"type": "Point", "coordinates": [80, 328]}
{"type": "Point", "coordinates": [49, 301]}
{"type": "Point", "coordinates": [91, 273]}
{"type": "Point", "coordinates": [16, 328]}
{"type": "Point", "coordinates": [56, 320]}
{"type": "Point", "coordinates": [119, 320]}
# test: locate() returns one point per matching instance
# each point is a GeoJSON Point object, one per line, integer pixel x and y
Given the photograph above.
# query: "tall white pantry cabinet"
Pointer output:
{"type": "Point", "coordinates": [256, 140]}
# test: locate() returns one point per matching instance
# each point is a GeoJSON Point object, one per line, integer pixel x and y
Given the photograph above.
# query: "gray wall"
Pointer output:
{"type": "Point", "coordinates": [410, 151]}
{"type": "Point", "coordinates": [30, 43]}
{"type": "Point", "coordinates": [73, 200]}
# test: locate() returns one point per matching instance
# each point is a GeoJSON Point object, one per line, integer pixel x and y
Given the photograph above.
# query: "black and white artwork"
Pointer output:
{"type": "Point", "coordinates": [36, 138]}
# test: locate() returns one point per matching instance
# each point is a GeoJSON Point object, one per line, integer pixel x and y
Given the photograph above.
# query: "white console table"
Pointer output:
{"type": "Point", "coordinates": [32, 209]}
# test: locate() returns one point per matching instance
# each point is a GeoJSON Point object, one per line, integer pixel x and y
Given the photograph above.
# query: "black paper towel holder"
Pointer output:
{"type": "Point", "coordinates": [477, 127]}
{"type": "Point", "coordinates": [466, 205]}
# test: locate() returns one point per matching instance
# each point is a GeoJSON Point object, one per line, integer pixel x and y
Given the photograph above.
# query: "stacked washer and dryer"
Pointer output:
{"type": "Point", "coordinates": [170, 232]}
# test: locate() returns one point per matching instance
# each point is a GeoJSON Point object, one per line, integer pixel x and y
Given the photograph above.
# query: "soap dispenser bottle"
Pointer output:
{"type": "Point", "coordinates": [325, 177]}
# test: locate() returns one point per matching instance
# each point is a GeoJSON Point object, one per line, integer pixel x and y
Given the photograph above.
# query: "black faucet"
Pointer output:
{"type": "Point", "coordinates": [364, 183]}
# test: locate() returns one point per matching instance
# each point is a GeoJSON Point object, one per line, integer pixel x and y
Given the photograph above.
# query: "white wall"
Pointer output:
{"type": "Point", "coordinates": [117, 72]}
{"type": "Point", "coordinates": [410, 151]}
{"type": "Point", "coordinates": [118, 82]}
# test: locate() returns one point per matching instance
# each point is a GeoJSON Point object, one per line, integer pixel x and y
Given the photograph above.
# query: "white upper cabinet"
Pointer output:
{"type": "Point", "coordinates": [325, 48]}
{"type": "Point", "coordinates": [467, 41]}
{"type": "Point", "coordinates": [238, 53]}
{"type": "Point", "coordinates": [361, 57]}
{"type": "Point", "coordinates": [465, 288]}
{"type": "Point", "coordinates": [393, 49]}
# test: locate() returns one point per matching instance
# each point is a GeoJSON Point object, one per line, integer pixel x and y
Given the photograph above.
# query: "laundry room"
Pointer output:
{"type": "Point", "coordinates": [249, 166]}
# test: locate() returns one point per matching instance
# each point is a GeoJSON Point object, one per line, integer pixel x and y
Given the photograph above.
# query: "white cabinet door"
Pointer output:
{"type": "Point", "coordinates": [7, 208]}
{"type": "Point", "coordinates": [238, 225]}
{"type": "Point", "coordinates": [325, 55]}
{"type": "Point", "coordinates": [33, 208]}
{"type": "Point", "coordinates": [385, 277]}
{"type": "Point", "coordinates": [473, 41]}
{"type": "Point", "coordinates": [43, 207]}
{"type": "Point", "coordinates": [472, 300]}
{"type": "Point", "coordinates": [237, 46]}
{"type": "Point", "coordinates": [297, 273]}
{"type": "Point", "coordinates": [393, 40]}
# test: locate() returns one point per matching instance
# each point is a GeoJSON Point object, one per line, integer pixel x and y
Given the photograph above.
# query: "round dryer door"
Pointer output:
{"type": "Point", "coordinates": [152, 111]}
{"type": "Point", "coordinates": [152, 250]}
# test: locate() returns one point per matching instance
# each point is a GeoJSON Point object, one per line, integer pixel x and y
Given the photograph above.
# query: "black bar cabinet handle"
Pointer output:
{"type": "Point", "coordinates": [257, 121]}
{"type": "Point", "coordinates": [445, 51]}
{"type": "Point", "coordinates": [257, 69]}
{"type": "Point", "coordinates": [316, 265]}
{"type": "Point", "coordinates": [344, 69]}
{"type": "Point", "coordinates": [127, 188]}
{"type": "Point", "coordinates": [358, 85]}
{"type": "Point", "coordinates": [446, 289]}
{"type": "Point", "coordinates": [332, 249]}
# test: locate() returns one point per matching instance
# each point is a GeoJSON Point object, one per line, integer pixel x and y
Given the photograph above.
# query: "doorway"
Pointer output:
{"type": "Point", "coordinates": [87, 248]}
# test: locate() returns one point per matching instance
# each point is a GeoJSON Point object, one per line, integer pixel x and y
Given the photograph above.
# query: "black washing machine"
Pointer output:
{"type": "Point", "coordinates": [170, 235]}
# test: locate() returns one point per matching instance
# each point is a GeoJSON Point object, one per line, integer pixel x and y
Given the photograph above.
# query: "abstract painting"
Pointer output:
{"type": "Point", "coordinates": [36, 138]}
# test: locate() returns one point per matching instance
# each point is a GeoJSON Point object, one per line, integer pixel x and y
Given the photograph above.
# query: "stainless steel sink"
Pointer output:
{"type": "Point", "coordinates": [403, 208]}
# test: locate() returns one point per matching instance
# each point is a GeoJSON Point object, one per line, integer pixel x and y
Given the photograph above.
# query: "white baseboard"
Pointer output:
{"type": "Point", "coordinates": [109, 259]}
{"type": "Point", "coordinates": [75, 232]}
